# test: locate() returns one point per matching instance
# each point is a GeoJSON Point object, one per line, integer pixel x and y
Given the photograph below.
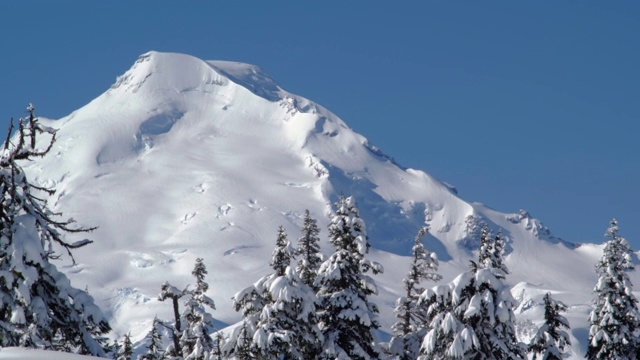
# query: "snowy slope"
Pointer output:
{"type": "Point", "coordinates": [183, 158]}
{"type": "Point", "coordinates": [32, 354]}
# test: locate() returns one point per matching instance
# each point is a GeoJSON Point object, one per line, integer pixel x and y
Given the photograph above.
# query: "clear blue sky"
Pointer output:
{"type": "Point", "coordinates": [531, 105]}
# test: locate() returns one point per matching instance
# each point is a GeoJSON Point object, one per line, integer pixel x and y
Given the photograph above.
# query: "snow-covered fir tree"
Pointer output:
{"type": "Point", "coordinates": [282, 254]}
{"type": "Point", "coordinates": [250, 302]}
{"type": "Point", "coordinates": [550, 340]}
{"type": "Point", "coordinates": [347, 315]}
{"type": "Point", "coordinates": [308, 251]}
{"type": "Point", "coordinates": [170, 292]}
{"type": "Point", "coordinates": [498, 252]}
{"type": "Point", "coordinates": [241, 343]}
{"type": "Point", "coordinates": [411, 326]}
{"type": "Point", "coordinates": [191, 328]}
{"type": "Point", "coordinates": [287, 324]}
{"type": "Point", "coordinates": [125, 351]}
{"type": "Point", "coordinates": [195, 342]}
{"type": "Point", "coordinates": [154, 348]}
{"type": "Point", "coordinates": [115, 349]}
{"type": "Point", "coordinates": [38, 306]}
{"type": "Point", "coordinates": [491, 251]}
{"type": "Point", "coordinates": [217, 352]}
{"type": "Point", "coordinates": [472, 317]}
{"type": "Point", "coordinates": [615, 318]}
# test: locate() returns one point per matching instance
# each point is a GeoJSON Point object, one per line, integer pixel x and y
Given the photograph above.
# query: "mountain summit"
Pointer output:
{"type": "Point", "coordinates": [184, 158]}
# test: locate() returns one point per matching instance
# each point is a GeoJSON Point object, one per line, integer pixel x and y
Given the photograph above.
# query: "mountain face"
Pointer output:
{"type": "Point", "coordinates": [183, 158]}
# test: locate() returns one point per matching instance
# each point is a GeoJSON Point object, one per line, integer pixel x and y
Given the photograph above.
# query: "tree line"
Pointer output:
{"type": "Point", "coordinates": [307, 307]}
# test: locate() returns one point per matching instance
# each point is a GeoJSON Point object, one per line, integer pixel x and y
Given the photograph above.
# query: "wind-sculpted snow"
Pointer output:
{"type": "Point", "coordinates": [184, 158]}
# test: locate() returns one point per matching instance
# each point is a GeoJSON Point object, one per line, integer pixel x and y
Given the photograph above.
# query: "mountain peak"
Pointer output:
{"type": "Point", "coordinates": [186, 158]}
{"type": "Point", "coordinates": [167, 71]}
{"type": "Point", "coordinates": [159, 71]}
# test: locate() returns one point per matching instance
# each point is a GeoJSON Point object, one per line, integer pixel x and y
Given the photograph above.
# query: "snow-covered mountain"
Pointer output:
{"type": "Point", "coordinates": [184, 158]}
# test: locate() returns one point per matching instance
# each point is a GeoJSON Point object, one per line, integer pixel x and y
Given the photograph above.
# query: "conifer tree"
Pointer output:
{"type": "Point", "coordinates": [217, 353]}
{"type": "Point", "coordinates": [38, 306]}
{"type": "Point", "coordinates": [154, 349]}
{"type": "Point", "coordinates": [241, 344]}
{"type": "Point", "coordinates": [308, 251]}
{"type": "Point", "coordinates": [282, 254]}
{"type": "Point", "coordinates": [485, 253]}
{"type": "Point", "coordinates": [126, 351]}
{"type": "Point", "coordinates": [492, 251]}
{"type": "Point", "coordinates": [195, 342]}
{"type": "Point", "coordinates": [170, 292]}
{"type": "Point", "coordinates": [411, 326]}
{"type": "Point", "coordinates": [115, 350]}
{"type": "Point", "coordinates": [347, 316]}
{"type": "Point", "coordinates": [615, 317]}
{"type": "Point", "coordinates": [250, 302]}
{"type": "Point", "coordinates": [191, 328]}
{"type": "Point", "coordinates": [498, 253]}
{"type": "Point", "coordinates": [550, 341]}
{"type": "Point", "coordinates": [287, 324]}
{"type": "Point", "coordinates": [472, 317]}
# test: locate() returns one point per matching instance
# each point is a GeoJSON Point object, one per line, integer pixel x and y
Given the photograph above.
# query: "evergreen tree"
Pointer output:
{"type": "Point", "coordinates": [498, 253]}
{"type": "Point", "coordinates": [492, 251]}
{"type": "Point", "coordinates": [410, 328]}
{"type": "Point", "coordinates": [195, 342]}
{"type": "Point", "coordinates": [485, 253]}
{"type": "Point", "coordinates": [191, 328]}
{"type": "Point", "coordinates": [282, 254]}
{"type": "Point", "coordinates": [615, 317]}
{"type": "Point", "coordinates": [550, 341]}
{"type": "Point", "coordinates": [241, 342]}
{"type": "Point", "coordinates": [126, 351]}
{"type": "Point", "coordinates": [472, 317]}
{"type": "Point", "coordinates": [287, 324]}
{"type": "Point", "coordinates": [347, 316]}
{"type": "Point", "coordinates": [250, 302]}
{"type": "Point", "coordinates": [154, 349]}
{"type": "Point", "coordinates": [38, 306]}
{"type": "Point", "coordinates": [170, 292]}
{"type": "Point", "coordinates": [308, 251]}
{"type": "Point", "coordinates": [217, 352]}
{"type": "Point", "coordinates": [115, 349]}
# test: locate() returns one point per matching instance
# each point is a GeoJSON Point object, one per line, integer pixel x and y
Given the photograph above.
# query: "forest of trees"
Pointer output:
{"type": "Point", "coordinates": [307, 307]}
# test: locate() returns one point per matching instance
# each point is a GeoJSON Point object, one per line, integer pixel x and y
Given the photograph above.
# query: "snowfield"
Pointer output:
{"type": "Point", "coordinates": [32, 354]}
{"type": "Point", "coordinates": [183, 158]}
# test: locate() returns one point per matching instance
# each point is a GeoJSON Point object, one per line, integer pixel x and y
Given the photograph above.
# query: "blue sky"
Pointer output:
{"type": "Point", "coordinates": [520, 105]}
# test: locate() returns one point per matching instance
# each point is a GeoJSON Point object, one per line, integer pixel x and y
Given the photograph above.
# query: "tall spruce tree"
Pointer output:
{"type": "Point", "coordinates": [217, 352]}
{"type": "Point", "coordinates": [190, 329]}
{"type": "Point", "coordinates": [411, 326]}
{"type": "Point", "coordinates": [126, 351]}
{"type": "Point", "coordinates": [347, 316]}
{"type": "Point", "coordinates": [250, 302]}
{"type": "Point", "coordinates": [282, 254]}
{"type": "Point", "coordinates": [550, 340]}
{"type": "Point", "coordinates": [498, 253]}
{"type": "Point", "coordinates": [195, 342]}
{"type": "Point", "coordinates": [308, 251]}
{"type": "Point", "coordinates": [154, 349]}
{"type": "Point", "coordinates": [615, 318]}
{"type": "Point", "coordinates": [287, 325]}
{"type": "Point", "coordinates": [170, 292]}
{"type": "Point", "coordinates": [491, 251]}
{"type": "Point", "coordinates": [38, 306]}
{"type": "Point", "coordinates": [472, 317]}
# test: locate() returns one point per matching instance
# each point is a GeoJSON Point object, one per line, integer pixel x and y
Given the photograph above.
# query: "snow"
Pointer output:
{"type": "Point", "coordinates": [184, 158]}
{"type": "Point", "coordinates": [10, 353]}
